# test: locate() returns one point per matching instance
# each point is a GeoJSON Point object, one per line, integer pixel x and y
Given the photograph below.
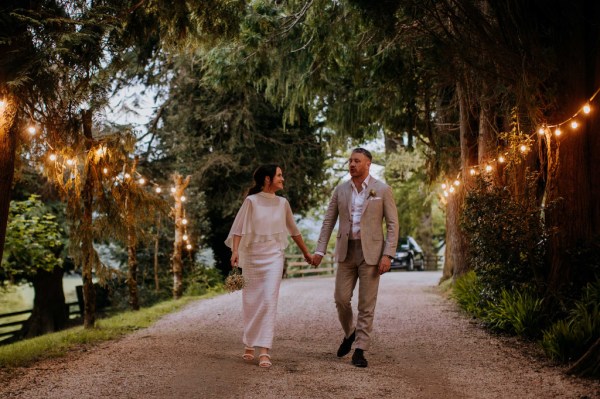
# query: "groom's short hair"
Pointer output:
{"type": "Point", "coordinates": [363, 151]}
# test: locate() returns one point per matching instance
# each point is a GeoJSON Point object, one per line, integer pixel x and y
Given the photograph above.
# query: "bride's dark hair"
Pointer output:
{"type": "Point", "coordinates": [259, 177]}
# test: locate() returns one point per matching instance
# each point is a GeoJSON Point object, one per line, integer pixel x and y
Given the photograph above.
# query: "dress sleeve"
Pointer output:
{"type": "Point", "coordinates": [289, 221]}
{"type": "Point", "coordinates": [241, 224]}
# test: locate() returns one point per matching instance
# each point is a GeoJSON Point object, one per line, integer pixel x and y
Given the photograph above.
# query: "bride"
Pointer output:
{"type": "Point", "coordinates": [258, 238]}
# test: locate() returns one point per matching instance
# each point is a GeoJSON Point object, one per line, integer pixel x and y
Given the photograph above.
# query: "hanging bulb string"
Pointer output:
{"type": "Point", "coordinates": [586, 109]}
{"type": "Point", "coordinates": [448, 188]}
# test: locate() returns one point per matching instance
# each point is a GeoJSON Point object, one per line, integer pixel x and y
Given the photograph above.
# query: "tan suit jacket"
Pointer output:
{"type": "Point", "coordinates": [377, 207]}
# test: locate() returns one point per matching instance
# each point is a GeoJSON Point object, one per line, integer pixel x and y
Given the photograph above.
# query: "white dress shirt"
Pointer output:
{"type": "Point", "coordinates": [358, 201]}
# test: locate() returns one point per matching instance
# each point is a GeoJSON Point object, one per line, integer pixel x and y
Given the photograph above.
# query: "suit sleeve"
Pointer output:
{"type": "Point", "coordinates": [328, 222]}
{"type": "Point", "coordinates": [390, 214]}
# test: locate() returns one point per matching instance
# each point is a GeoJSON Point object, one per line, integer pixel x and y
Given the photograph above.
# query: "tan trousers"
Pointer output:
{"type": "Point", "coordinates": [355, 268]}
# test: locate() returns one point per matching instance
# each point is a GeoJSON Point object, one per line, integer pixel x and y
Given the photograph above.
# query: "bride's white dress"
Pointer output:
{"type": "Point", "coordinates": [264, 222]}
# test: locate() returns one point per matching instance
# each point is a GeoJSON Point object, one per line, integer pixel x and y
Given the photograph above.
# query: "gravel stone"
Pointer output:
{"type": "Point", "coordinates": [423, 347]}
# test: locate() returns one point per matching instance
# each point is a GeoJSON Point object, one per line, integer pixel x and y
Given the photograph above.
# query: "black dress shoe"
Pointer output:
{"type": "Point", "coordinates": [346, 345]}
{"type": "Point", "coordinates": [358, 358]}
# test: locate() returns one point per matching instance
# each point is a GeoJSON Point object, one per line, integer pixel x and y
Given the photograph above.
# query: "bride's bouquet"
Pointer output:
{"type": "Point", "coordinates": [235, 280]}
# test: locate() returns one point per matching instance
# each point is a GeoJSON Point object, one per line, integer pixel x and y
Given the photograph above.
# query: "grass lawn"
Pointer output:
{"type": "Point", "coordinates": [26, 352]}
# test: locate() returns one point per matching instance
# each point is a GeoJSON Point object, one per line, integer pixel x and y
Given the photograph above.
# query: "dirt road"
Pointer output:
{"type": "Point", "coordinates": [423, 348]}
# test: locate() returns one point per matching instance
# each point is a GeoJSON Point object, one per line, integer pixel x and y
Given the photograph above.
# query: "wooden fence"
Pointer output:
{"type": "Point", "coordinates": [16, 320]}
{"type": "Point", "coordinates": [296, 266]}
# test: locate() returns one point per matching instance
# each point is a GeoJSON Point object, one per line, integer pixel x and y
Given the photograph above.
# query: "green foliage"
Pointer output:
{"type": "Point", "coordinates": [219, 129]}
{"type": "Point", "coordinates": [467, 293]}
{"type": "Point", "coordinates": [569, 338]}
{"type": "Point", "coordinates": [202, 280]}
{"type": "Point", "coordinates": [404, 172]}
{"type": "Point", "coordinates": [514, 312]}
{"type": "Point", "coordinates": [517, 312]}
{"type": "Point", "coordinates": [26, 352]}
{"type": "Point", "coordinates": [34, 241]}
{"type": "Point", "coordinates": [506, 237]}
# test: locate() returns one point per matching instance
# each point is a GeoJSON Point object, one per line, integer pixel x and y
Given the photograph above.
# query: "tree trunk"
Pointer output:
{"type": "Point", "coordinates": [486, 140]}
{"type": "Point", "coordinates": [132, 264]}
{"type": "Point", "coordinates": [180, 186]}
{"type": "Point", "coordinates": [588, 365]}
{"type": "Point", "coordinates": [571, 175]}
{"type": "Point", "coordinates": [456, 262]}
{"type": "Point", "coordinates": [8, 147]}
{"type": "Point", "coordinates": [425, 237]}
{"type": "Point", "coordinates": [49, 312]}
{"type": "Point", "coordinates": [156, 242]}
{"type": "Point", "coordinates": [87, 246]}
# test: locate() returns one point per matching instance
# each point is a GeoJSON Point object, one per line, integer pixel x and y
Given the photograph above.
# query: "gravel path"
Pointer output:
{"type": "Point", "coordinates": [423, 348]}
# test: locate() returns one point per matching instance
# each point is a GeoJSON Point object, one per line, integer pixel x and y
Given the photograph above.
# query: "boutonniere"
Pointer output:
{"type": "Point", "coordinates": [372, 193]}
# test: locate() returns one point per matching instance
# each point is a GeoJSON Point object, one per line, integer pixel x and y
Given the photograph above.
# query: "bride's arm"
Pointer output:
{"type": "Point", "coordinates": [300, 243]}
{"type": "Point", "coordinates": [234, 250]}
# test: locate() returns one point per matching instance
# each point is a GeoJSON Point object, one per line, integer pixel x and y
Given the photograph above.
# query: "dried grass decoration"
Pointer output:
{"type": "Point", "coordinates": [235, 280]}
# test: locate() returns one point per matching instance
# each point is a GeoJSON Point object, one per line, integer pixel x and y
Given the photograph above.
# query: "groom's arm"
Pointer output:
{"type": "Point", "coordinates": [390, 214]}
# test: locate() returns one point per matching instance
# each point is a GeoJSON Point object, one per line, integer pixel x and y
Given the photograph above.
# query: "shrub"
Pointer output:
{"type": "Point", "coordinates": [517, 312]}
{"type": "Point", "coordinates": [467, 293]}
{"type": "Point", "coordinates": [202, 279]}
{"type": "Point", "coordinates": [506, 237]}
{"type": "Point", "coordinates": [569, 338]}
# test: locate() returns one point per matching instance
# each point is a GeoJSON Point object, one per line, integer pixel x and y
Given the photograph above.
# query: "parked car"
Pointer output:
{"type": "Point", "coordinates": [409, 255]}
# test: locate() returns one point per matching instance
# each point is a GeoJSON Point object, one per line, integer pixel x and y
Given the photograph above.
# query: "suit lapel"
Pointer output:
{"type": "Point", "coordinates": [371, 185]}
{"type": "Point", "coordinates": [348, 193]}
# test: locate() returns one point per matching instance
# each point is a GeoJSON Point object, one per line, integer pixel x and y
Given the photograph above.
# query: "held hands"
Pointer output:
{"type": "Point", "coordinates": [308, 258]}
{"type": "Point", "coordinates": [384, 264]}
{"type": "Point", "coordinates": [316, 260]}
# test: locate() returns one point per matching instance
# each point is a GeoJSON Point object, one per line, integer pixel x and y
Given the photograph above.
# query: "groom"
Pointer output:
{"type": "Point", "coordinates": [362, 253]}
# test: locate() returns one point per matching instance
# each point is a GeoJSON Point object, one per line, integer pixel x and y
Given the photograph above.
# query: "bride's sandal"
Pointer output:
{"type": "Point", "coordinates": [265, 360]}
{"type": "Point", "coordinates": [249, 354]}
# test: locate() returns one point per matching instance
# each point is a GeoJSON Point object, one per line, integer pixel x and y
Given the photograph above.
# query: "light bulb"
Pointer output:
{"type": "Point", "coordinates": [542, 130]}
{"type": "Point", "coordinates": [31, 130]}
{"type": "Point", "coordinates": [185, 237]}
{"type": "Point", "coordinates": [184, 221]}
{"type": "Point", "coordinates": [451, 189]}
{"type": "Point", "coordinates": [444, 186]}
{"type": "Point", "coordinates": [586, 109]}
{"type": "Point", "coordinates": [105, 171]}
{"type": "Point", "coordinates": [574, 125]}
{"type": "Point", "coordinates": [2, 103]}
{"type": "Point", "coordinates": [173, 189]}
{"type": "Point", "coordinates": [183, 198]}
{"type": "Point", "coordinates": [158, 190]}
{"type": "Point", "coordinates": [52, 157]}
{"type": "Point", "coordinates": [456, 183]}
{"type": "Point", "coordinates": [523, 148]}
{"type": "Point", "coordinates": [501, 159]}
{"type": "Point", "coordinates": [70, 162]}
{"type": "Point", "coordinates": [100, 151]}
{"type": "Point", "coordinates": [488, 168]}
{"type": "Point", "coordinates": [557, 132]}
{"type": "Point", "coordinates": [127, 175]}
{"type": "Point", "coordinates": [472, 172]}
{"type": "Point", "coordinates": [445, 193]}
{"type": "Point", "coordinates": [142, 181]}
{"type": "Point", "coordinates": [189, 246]}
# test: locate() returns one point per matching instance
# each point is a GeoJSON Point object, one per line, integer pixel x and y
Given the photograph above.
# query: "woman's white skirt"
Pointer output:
{"type": "Point", "coordinates": [262, 269]}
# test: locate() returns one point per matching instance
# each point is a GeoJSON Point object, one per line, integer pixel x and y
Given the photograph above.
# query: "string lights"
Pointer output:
{"type": "Point", "coordinates": [557, 129]}
{"type": "Point", "coordinates": [61, 162]}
